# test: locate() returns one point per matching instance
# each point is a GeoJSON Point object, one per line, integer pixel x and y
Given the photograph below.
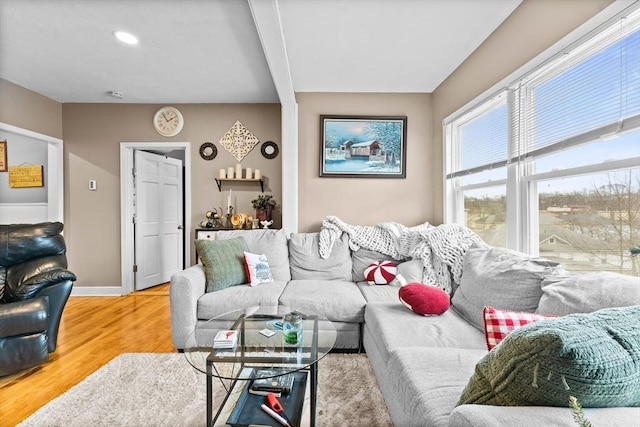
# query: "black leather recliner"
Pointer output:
{"type": "Point", "coordinates": [34, 288]}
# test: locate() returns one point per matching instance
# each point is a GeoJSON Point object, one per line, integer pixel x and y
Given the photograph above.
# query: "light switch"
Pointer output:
{"type": "Point", "coordinates": [93, 185]}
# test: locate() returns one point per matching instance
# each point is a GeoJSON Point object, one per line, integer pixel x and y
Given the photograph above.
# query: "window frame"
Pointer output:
{"type": "Point", "coordinates": [522, 215]}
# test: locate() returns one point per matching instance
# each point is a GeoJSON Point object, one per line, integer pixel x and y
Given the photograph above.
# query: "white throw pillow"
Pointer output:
{"type": "Point", "coordinates": [257, 267]}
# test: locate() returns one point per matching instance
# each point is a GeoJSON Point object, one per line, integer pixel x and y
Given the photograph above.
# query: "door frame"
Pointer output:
{"type": "Point", "coordinates": [127, 236]}
{"type": "Point", "coordinates": [55, 169]}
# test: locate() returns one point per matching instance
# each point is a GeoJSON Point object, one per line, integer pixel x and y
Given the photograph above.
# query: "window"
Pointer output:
{"type": "Point", "coordinates": [550, 165]}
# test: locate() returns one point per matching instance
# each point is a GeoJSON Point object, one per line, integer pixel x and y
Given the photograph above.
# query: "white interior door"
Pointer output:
{"type": "Point", "coordinates": [159, 237]}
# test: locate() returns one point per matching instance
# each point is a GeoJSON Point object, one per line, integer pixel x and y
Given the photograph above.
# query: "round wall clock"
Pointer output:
{"type": "Point", "coordinates": [269, 150]}
{"type": "Point", "coordinates": [168, 121]}
{"type": "Point", "coordinates": [208, 151]}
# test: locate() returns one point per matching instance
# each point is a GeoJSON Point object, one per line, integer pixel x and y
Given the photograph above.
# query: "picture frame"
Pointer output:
{"type": "Point", "coordinates": [3, 156]}
{"type": "Point", "coordinates": [363, 146]}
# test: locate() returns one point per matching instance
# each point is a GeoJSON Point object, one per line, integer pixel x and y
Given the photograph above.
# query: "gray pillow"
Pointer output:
{"type": "Point", "coordinates": [584, 293]}
{"type": "Point", "coordinates": [410, 271]}
{"type": "Point", "coordinates": [306, 263]}
{"type": "Point", "coordinates": [272, 243]}
{"type": "Point", "coordinates": [499, 278]}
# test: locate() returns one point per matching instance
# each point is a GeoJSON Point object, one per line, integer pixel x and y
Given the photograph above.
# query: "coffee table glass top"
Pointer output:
{"type": "Point", "coordinates": [316, 338]}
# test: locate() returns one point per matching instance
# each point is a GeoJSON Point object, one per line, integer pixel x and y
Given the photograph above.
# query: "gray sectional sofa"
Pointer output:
{"type": "Point", "coordinates": [422, 363]}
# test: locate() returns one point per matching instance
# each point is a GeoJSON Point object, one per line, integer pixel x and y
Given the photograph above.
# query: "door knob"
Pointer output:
{"type": "Point", "coordinates": [180, 227]}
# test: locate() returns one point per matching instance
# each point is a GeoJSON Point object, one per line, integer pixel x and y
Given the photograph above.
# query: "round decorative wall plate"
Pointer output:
{"type": "Point", "coordinates": [208, 151]}
{"type": "Point", "coordinates": [269, 150]}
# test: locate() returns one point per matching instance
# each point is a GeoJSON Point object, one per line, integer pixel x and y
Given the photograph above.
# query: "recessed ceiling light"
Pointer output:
{"type": "Point", "coordinates": [125, 37]}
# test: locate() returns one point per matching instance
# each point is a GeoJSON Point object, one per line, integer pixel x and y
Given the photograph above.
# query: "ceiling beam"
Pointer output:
{"type": "Point", "coordinates": [266, 16]}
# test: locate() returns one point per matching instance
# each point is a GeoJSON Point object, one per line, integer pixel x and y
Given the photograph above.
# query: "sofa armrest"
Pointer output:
{"type": "Point", "coordinates": [534, 416]}
{"type": "Point", "coordinates": [186, 288]}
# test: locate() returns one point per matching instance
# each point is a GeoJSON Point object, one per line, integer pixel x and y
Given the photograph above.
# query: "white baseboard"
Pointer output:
{"type": "Point", "coordinates": [96, 291]}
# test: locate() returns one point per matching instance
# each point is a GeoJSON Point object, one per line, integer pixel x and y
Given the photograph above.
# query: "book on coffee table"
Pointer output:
{"type": "Point", "coordinates": [247, 409]}
{"type": "Point", "coordinates": [225, 339]}
{"type": "Point", "coordinates": [272, 380]}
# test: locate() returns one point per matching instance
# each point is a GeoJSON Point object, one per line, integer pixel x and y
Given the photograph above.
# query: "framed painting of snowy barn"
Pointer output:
{"type": "Point", "coordinates": [363, 146]}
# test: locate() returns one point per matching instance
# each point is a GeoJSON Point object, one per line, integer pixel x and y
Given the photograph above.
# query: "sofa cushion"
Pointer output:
{"type": "Point", "coordinates": [257, 268]}
{"type": "Point", "coordinates": [424, 384]}
{"type": "Point", "coordinates": [594, 357]}
{"type": "Point", "coordinates": [378, 293]}
{"type": "Point", "coordinates": [214, 304]}
{"type": "Point", "coordinates": [500, 323]}
{"type": "Point", "coordinates": [337, 300]}
{"type": "Point", "coordinates": [306, 263]}
{"type": "Point", "coordinates": [223, 262]}
{"type": "Point", "coordinates": [394, 327]}
{"type": "Point", "coordinates": [272, 243]}
{"type": "Point", "coordinates": [363, 258]}
{"type": "Point", "coordinates": [583, 293]}
{"type": "Point", "coordinates": [499, 278]}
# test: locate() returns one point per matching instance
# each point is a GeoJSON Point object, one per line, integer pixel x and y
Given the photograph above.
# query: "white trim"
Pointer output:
{"type": "Point", "coordinates": [55, 169]}
{"type": "Point", "coordinates": [633, 162]}
{"type": "Point", "coordinates": [290, 169]}
{"type": "Point", "coordinates": [266, 17]}
{"type": "Point", "coordinates": [126, 204]}
{"type": "Point", "coordinates": [96, 291]}
{"type": "Point", "coordinates": [556, 49]}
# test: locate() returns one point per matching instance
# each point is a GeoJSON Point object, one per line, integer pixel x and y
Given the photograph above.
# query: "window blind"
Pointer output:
{"type": "Point", "coordinates": [587, 94]}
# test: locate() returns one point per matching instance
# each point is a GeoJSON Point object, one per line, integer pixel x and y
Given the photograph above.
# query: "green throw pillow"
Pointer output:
{"type": "Point", "coordinates": [594, 357]}
{"type": "Point", "coordinates": [223, 262]}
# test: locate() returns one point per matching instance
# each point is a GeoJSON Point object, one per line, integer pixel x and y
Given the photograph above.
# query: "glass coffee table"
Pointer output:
{"type": "Point", "coordinates": [254, 348]}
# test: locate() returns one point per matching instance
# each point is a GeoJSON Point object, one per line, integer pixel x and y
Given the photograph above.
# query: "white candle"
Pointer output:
{"type": "Point", "coordinates": [248, 175]}
{"type": "Point", "coordinates": [230, 172]}
{"type": "Point", "coordinates": [258, 174]}
{"type": "Point", "coordinates": [229, 202]}
{"type": "Point", "coordinates": [238, 171]}
{"type": "Point", "coordinates": [222, 174]}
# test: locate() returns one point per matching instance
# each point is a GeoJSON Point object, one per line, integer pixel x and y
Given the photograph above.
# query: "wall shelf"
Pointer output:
{"type": "Point", "coordinates": [219, 181]}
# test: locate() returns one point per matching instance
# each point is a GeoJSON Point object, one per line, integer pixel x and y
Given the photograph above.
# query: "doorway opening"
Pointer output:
{"type": "Point", "coordinates": [179, 150]}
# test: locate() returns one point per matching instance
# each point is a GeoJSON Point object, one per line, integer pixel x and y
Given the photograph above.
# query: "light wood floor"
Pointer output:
{"type": "Point", "coordinates": [93, 331]}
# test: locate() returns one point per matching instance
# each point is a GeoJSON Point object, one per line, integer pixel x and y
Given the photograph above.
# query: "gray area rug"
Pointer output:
{"type": "Point", "coordinates": [162, 389]}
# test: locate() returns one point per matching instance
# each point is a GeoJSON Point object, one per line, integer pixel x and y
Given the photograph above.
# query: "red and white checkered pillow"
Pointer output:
{"type": "Point", "coordinates": [499, 323]}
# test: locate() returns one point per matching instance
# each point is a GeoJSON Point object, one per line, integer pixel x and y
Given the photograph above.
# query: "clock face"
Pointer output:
{"type": "Point", "coordinates": [168, 121]}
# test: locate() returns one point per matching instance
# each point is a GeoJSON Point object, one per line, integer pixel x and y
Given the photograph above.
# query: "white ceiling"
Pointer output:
{"type": "Point", "coordinates": [209, 51]}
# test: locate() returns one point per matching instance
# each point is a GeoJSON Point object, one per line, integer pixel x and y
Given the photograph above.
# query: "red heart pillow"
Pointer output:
{"type": "Point", "coordinates": [425, 300]}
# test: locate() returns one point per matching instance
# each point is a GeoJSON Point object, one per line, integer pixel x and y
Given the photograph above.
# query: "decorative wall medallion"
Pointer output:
{"type": "Point", "coordinates": [239, 141]}
{"type": "Point", "coordinates": [269, 150]}
{"type": "Point", "coordinates": [208, 151]}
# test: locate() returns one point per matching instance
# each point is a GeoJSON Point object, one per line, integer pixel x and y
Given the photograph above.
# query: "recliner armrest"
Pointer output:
{"type": "Point", "coordinates": [30, 287]}
{"type": "Point", "coordinates": [24, 317]}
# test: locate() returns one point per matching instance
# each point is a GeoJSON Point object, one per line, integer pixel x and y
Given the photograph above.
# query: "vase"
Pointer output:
{"type": "Point", "coordinates": [263, 214]}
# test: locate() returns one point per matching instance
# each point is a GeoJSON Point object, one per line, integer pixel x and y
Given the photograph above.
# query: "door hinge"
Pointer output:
{"type": "Point", "coordinates": [135, 268]}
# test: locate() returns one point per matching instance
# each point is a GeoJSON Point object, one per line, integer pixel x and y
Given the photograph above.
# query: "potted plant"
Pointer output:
{"type": "Point", "coordinates": [264, 205]}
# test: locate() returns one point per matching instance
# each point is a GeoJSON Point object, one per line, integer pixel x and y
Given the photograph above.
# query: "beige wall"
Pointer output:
{"type": "Point", "coordinates": [533, 27]}
{"type": "Point", "coordinates": [365, 201]}
{"type": "Point", "coordinates": [26, 109]}
{"type": "Point", "coordinates": [92, 137]}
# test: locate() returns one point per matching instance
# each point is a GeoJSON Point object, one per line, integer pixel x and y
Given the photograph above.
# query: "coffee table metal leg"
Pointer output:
{"type": "Point", "coordinates": [314, 392]}
{"type": "Point", "coordinates": [209, 396]}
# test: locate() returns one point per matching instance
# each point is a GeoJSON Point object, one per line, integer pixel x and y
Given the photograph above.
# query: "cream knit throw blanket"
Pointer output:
{"type": "Point", "coordinates": [441, 248]}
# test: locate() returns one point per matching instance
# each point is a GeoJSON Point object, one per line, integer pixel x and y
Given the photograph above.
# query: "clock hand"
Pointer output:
{"type": "Point", "coordinates": [165, 117]}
